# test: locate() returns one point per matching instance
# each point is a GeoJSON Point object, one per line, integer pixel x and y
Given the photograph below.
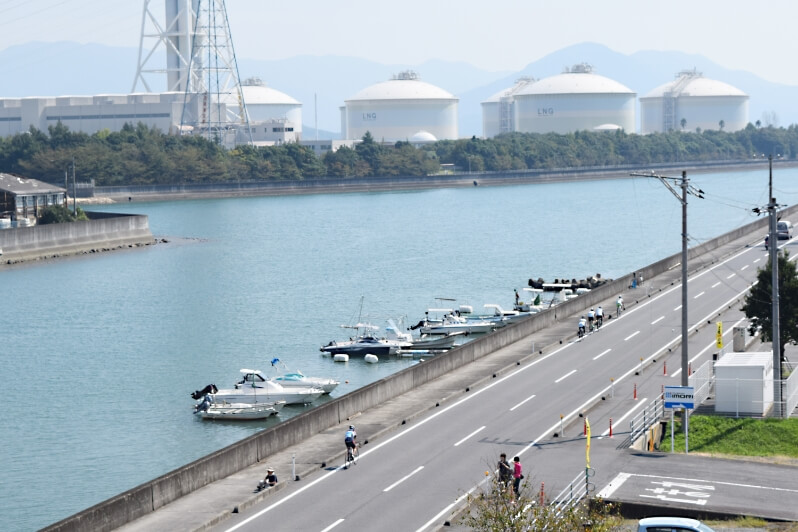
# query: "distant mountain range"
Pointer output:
{"type": "Point", "coordinates": [68, 68]}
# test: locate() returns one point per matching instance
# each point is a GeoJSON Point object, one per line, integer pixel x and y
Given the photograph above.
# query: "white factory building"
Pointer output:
{"type": "Point", "coordinates": [401, 109]}
{"type": "Point", "coordinates": [274, 117]}
{"type": "Point", "coordinates": [576, 100]}
{"type": "Point", "coordinates": [692, 101]}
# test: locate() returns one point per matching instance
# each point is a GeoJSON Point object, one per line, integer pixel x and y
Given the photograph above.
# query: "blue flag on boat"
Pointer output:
{"type": "Point", "coordinates": [275, 361]}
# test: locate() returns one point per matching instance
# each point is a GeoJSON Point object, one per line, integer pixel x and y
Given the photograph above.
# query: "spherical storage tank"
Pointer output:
{"type": "Point", "coordinates": [692, 101]}
{"type": "Point", "coordinates": [575, 100]}
{"type": "Point", "coordinates": [400, 108]}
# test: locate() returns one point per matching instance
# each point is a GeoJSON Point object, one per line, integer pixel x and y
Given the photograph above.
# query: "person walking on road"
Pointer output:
{"type": "Point", "coordinates": [517, 476]}
{"type": "Point", "coordinates": [505, 472]}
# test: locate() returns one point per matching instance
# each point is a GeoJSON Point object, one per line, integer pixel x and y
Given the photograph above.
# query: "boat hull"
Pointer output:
{"type": "Point", "coordinates": [242, 411]}
{"type": "Point", "coordinates": [293, 396]}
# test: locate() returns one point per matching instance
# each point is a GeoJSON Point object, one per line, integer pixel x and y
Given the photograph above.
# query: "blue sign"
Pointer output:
{"type": "Point", "coordinates": [679, 397]}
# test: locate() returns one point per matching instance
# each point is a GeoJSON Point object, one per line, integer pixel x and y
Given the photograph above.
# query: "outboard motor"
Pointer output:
{"type": "Point", "coordinates": [199, 394]}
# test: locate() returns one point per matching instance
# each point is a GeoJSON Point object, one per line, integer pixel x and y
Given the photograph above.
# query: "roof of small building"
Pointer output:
{"type": "Point", "coordinates": [20, 186]}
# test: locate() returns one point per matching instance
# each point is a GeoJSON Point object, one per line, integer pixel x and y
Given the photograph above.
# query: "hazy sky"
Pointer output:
{"type": "Point", "coordinates": [494, 35]}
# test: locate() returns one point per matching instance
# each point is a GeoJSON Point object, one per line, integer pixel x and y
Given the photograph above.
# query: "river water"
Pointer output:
{"type": "Point", "coordinates": [100, 352]}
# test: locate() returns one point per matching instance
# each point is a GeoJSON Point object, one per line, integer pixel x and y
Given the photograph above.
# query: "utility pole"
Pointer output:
{"type": "Point", "coordinates": [683, 183]}
{"type": "Point", "coordinates": [774, 267]}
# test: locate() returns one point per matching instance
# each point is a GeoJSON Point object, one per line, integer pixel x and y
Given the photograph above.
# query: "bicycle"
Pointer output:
{"type": "Point", "coordinates": [351, 455]}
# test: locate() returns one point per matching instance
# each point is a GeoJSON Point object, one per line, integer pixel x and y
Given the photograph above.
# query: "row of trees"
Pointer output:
{"type": "Point", "coordinates": [139, 155]}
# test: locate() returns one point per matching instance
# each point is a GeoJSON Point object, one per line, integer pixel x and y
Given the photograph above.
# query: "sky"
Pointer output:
{"type": "Point", "coordinates": [496, 35]}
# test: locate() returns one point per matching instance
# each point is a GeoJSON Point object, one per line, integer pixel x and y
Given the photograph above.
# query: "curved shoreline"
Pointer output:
{"type": "Point", "coordinates": [148, 193]}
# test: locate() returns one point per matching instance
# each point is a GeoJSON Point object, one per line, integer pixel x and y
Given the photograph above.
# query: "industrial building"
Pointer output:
{"type": "Point", "coordinates": [401, 109]}
{"type": "Point", "coordinates": [204, 95]}
{"type": "Point", "coordinates": [692, 101]}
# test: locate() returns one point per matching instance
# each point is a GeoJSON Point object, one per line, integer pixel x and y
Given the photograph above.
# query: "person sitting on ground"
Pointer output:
{"type": "Point", "coordinates": [269, 480]}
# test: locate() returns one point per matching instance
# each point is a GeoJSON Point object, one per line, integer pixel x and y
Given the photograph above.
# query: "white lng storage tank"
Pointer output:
{"type": "Point", "coordinates": [399, 109]}
{"type": "Point", "coordinates": [692, 102]}
{"type": "Point", "coordinates": [575, 100]}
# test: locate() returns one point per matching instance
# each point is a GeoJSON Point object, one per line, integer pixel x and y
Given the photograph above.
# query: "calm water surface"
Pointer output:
{"type": "Point", "coordinates": [100, 353]}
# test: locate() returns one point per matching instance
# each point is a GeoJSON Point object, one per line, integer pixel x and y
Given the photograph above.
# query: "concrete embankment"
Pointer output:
{"type": "Point", "coordinates": [103, 231]}
{"type": "Point", "coordinates": [149, 497]}
{"type": "Point", "coordinates": [382, 184]}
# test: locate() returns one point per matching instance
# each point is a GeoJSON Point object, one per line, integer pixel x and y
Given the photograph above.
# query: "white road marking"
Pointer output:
{"type": "Point", "coordinates": [698, 295]}
{"type": "Point", "coordinates": [677, 308]}
{"type": "Point", "coordinates": [565, 376]}
{"type": "Point", "coordinates": [613, 485]}
{"type": "Point", "coordinates": [658, 320]}
{"type": "Point", "coordinates": [602, 354]}
{"type": "Point", "coordinates": [522, 402]}
{"type": "Point", "coordinates": [716, 482]}
{"type": "Point", "coordinates": [631, 336]}
{"type": "Point", "coordinates": [464, 439]}
{"type": "Point", "coordinates": [744, 267]}
{"type": "Point", "coordinates": [730, 276]}
{"type": "Point", "coordinates": [333, 525]}
{"type": "Point", "coordinates": [392, 486]}
{"type": "Point", "coordinates": [642, 402]}
{"type": "Point", "coordinates": [715, 285]}
{"type": "Point", "coordinates": [757, 260]}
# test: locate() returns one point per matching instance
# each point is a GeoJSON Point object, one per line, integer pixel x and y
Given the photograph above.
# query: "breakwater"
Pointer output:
{"type": "Point", "coordinates": [102, 231]}
{"type": "Point", "coordinates": [154, 494]}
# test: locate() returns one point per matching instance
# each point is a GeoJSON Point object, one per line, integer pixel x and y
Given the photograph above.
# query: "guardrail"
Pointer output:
{"type": "Point", "coordinates": [651, 414]}
{"type": "Point", "coordinates": [576, 490]}
{"type": "Point", "coordinates": [701, 381]}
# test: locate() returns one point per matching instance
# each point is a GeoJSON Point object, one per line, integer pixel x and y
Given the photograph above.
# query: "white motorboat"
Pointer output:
{"type": "Point", "coordinates": [507, 316]}
{"type": "Point", "coordinates": [255, 388]}
{"type": "Point", "coordinates": [363, 344]}
{"type": "Point", "coordinates": [452, 322]}
{"type": "Point", "coordinates": [238, 411]}
{"type": "Point", "coordinates": [423, 342]}
{"type": "Point", "coordinates": [297, 378]}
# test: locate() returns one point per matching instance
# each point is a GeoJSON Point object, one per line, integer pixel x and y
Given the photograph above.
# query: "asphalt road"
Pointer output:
{"type": "Point", "coordinates": [413, 478]}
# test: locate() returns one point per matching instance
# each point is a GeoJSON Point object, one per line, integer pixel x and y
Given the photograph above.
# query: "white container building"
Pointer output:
{"type": "Point", "coordinates": [400, 109]}
{"type": "Point", "coordinates": [692, 101]}
{"type": "Point", "coordinates": [744, 383]}
{"type": "Point", "coordinates": [575, 100]}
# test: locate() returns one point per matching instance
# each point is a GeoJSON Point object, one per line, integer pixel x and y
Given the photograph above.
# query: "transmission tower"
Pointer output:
{"type": "Point", "coordinates": [195, 40]}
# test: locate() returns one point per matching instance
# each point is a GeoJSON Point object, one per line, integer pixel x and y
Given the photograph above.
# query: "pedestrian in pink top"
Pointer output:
{"type": "Point", "coordinates": [517, 476]}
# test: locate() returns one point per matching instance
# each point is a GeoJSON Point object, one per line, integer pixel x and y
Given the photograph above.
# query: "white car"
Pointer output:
{"type": "Point", "coordinates": [671, 524]}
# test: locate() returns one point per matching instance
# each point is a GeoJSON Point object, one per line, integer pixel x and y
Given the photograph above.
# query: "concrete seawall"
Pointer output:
{"type": "Point", "coordinates": [375, 184]}
{"type": "Point", "coordinates": [155, 494]}
{"type": "Point", "coordinates": [101, 231]}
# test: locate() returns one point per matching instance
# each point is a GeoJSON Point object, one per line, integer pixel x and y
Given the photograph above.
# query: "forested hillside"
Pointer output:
{"type": "Point", "coordinates": [138, 155]}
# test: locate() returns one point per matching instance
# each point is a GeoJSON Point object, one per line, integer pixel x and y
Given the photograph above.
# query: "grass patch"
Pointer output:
{"type": "Point", "coordinates": [739, 437]}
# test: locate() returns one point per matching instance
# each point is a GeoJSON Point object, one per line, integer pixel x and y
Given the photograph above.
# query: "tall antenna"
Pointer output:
{"type": "Point", "coordinates": [195, 38]}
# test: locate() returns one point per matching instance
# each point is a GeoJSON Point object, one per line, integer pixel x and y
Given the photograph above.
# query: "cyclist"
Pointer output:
{"type": "Point", "coordinates": [591, 314]}
{"type": "Point", "coordinates": [351, 441]}
{"type": "Point", "coordinates": [619, 305]}
{"type": "Point", "coordinates": [581, 329]}
{"type": "Point", "coordinates": [599, 317]}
